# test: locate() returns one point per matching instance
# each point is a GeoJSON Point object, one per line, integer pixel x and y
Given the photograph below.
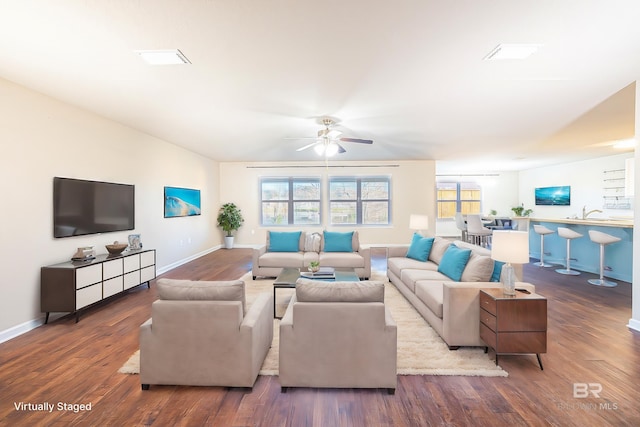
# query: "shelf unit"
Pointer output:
{"type": "Point", "coordinates": [613, 190]}
{"type": "Point", "coordinates": [75, 285]}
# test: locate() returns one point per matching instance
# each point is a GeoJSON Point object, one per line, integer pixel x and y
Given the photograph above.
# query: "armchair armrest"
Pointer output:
{"type": "Point", "coordinates": [257, 253]}
{"type": "Point", "coordinates": [257, 330]}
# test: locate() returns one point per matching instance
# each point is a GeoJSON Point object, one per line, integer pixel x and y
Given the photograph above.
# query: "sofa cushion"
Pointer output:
{"type": "Point", "coordinates": [453, 262]}
{"type": "Point", "coordinates": [410, 277]}
{"type": "Point", "coordinates": [189, 290]}
{"type": "Point", "coordinates": [478, 269]}
{"type": "Point", "coordinates": [338, 242]}
{"type": "Point", "coordinates": [282, 259]}
{"type": "Point", "coordinates": [438, 249]}
{"type": "Point", "coordinates": [308, 290]}
{"type": "Point", "coordinates": [397, 264]}
{"type": "Point", "coordinates": [431, 293]}
{"type": "Point", "coordinates": [420, 247]}
{"type": "Point", "coordinates": [312, 242]}
{"type": "Point", "coordinates": [284, 241]}
{"type": "Point", "coordinates": [341, 259]}
{"type": "Point", "coordinates": [497, 271]}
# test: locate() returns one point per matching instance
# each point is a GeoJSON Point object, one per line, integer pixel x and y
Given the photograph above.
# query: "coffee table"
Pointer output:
{"type": "Point", "coordinates": [288, 277]}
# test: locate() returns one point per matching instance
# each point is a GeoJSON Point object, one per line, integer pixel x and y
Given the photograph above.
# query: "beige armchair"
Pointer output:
{"type": "Point", "coordinates": [201, 334]}
{"type": "Point", "coordinates": [339, 335]}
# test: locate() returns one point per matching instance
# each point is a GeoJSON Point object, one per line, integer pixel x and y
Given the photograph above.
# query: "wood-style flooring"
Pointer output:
{"type": "Point", "coordinates": [588, 343]}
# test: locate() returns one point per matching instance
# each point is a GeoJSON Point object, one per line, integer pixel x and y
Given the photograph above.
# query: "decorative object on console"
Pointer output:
{"type": "Point", "coordinates": [84, 254]}
{"type": "Point", "coordinates": [116, 248]}
{"type": "Point", "coordinates": [134, 242]}
{"type": "Point", "coordinates": [230, 219]}
{"type": "Point", "coordinates": [510, 247]}
{"type": "Point", "coordinates": [181, 202]}
{"type": "Point", "coordinates": [419, 222]}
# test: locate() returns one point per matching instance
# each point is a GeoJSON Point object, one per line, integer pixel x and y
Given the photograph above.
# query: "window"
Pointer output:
{"type": "Point", "coordinates": [362, 201]}
{"type": "Point", "coordinates": [288, 201]}
{"type": "Point", "coordinates": [464, 197]}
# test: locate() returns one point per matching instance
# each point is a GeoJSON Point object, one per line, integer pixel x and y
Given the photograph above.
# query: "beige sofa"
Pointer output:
{"type": "Point", "coordinates": [201, 334]}
{"type": "Point", "coordinates": [338, 336]}
{"type": "Point", "coordinates": [311, 247]}
{"type": "Point", "coordinates": [450, 307]}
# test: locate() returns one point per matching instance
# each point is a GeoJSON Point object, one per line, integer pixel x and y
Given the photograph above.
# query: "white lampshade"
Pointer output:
{"type": "Point", "coordinates": [418, 222]}
{"type": "Point", "coordinates": [510, 246]}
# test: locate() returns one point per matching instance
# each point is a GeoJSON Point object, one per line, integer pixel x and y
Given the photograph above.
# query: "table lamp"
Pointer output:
{"type": "Point", "coordinates": [510, 247]}
{"type": "Point", "coordinates": [418, 222]}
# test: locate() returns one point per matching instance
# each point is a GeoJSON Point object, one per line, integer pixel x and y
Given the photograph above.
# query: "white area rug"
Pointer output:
{"type": "Point", "coordinates": [421, 351]}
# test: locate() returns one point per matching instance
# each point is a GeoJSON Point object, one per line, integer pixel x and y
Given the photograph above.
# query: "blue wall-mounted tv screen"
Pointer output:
{"type": "Point", "coordinates": [553, 196]}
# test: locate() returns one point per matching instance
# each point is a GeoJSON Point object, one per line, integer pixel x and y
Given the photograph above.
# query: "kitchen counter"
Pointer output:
{"type": "Point", "coordinates": [585, 255]}
{"type": "Point", "coordinates": [600, 222]}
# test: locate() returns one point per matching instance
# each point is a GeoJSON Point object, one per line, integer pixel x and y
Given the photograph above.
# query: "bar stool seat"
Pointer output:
{"type": "Point", "coordinates": [542, 231]}
{"type": "Point", "coordinates": [602, 239]}
{"type": "Point", "coordinates": [569, 234]}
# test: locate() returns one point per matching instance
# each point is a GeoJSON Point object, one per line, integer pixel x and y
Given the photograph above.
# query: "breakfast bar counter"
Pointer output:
{"type": "Point", "coordinates": [585, 254]}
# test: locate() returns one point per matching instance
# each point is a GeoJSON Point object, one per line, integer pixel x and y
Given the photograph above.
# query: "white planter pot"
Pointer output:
{"type": "Point", "coordinates": [228, 242]}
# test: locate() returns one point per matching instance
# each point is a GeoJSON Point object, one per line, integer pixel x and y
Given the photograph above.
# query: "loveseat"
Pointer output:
{"type": "Point", "coordinates": [444, 289]}
{"type": "Point", "coordinates": [296, 249]}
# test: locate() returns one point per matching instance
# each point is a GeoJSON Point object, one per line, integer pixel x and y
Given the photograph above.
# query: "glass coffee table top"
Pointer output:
{"type": "Point", "coordinates": [289, 276]}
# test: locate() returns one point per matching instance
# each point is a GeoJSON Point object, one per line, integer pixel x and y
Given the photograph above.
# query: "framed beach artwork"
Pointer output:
{"type": "Point", "coordinates": [181, 202]}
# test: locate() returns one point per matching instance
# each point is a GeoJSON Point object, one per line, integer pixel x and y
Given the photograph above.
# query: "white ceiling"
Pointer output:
{"type": "Point", "coordinates": [408, 74]}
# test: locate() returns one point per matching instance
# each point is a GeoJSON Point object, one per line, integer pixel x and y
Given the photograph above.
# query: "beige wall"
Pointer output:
{"type": "Point", "coordinates": [412, 182]}
{"type": "Point", "coordinates": [43, 138]}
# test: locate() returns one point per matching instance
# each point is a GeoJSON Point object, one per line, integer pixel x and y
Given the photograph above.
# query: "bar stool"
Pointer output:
{"type": "Point", "coordinates": [569, 234]}
{"type": "Point", "coordinates": [542, 231]}
{"type": "Point", "coordinates": [602, 239]}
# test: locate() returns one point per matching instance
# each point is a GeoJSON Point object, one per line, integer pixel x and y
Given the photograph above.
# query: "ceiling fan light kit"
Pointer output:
{"type": "Point", "coordinates": [327, 143]}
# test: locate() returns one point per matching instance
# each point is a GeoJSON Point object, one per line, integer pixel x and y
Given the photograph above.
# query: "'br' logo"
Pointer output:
{"type": "Point", "coordinates": [583, 390]}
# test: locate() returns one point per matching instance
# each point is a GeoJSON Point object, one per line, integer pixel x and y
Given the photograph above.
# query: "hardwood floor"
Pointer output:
{"type": "Point", "coordinates": [588, 343]}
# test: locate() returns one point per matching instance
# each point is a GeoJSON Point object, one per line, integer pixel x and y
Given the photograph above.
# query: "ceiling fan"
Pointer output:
{"type": "Point", "coordinates": [327, 142]}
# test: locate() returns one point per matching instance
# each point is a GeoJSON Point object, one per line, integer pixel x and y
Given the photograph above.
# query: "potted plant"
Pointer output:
{"type": "Point", "coordinates": [521, 211]}
{"type": "Point", "coordinates": [230, 219]}
{"type": "Point", "coordinates": [314, 266]}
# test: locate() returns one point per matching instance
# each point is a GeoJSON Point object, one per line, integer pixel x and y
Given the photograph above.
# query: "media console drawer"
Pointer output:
{"type": "Point", "coordinates": [74, 285]}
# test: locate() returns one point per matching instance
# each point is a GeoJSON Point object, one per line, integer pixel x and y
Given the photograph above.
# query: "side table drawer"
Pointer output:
{"type": "Point", "coordinates": [488, 336]}
{"type": "Point", "coordinates": [487, 303]}
{"type": "Point", "coordinates": [488, 319]}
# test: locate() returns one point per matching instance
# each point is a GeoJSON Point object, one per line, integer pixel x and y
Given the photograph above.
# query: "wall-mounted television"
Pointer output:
{"type": "Point", "coordinates": [553, 196]}
{"type": "Point", "coordinates": [83, 207]}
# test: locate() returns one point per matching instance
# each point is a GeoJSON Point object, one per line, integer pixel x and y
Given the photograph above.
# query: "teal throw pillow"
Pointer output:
{"type": "Point", "coordinates": [420, 247]}
{"type": "Point", "coordinates": [497, 271]}
{"type": "Point", "coordinates": [453, 262]}
{"type": "Point", "coordinates": [338, 242]}
{"type": "Point", "coordinates": [284, 241]}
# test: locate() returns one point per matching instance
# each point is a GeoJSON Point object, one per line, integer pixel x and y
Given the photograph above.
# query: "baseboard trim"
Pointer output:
{"type": "Point", "coordinates": [18, 330]}
{"type": "Point", "coordinates": [634, 324]}
{"type": "Point", "coordinates": [183, 261]}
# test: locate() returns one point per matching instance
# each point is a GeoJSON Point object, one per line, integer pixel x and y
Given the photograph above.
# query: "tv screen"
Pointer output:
{"type": "Point", "coordinates": [553, 196]}
{"type": "Point", "coordinates": [83, 207]}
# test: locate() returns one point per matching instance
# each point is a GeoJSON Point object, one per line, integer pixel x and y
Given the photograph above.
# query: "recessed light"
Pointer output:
{"type": "Point", "coordinates": [512, 51]}
{"type": "Point", "coordinates": [163, 57]}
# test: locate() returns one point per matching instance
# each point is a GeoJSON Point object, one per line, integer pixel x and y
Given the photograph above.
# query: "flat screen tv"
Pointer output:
{"type": "Point", "coordinates": [553, 196]}
{"type": "Point", "coordinates": [83, 207]}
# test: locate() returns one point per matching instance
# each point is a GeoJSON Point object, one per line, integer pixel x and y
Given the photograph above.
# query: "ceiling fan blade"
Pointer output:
{"type": "Point", "coordinates": [308, 146]}
{"type": "Point", "coordinates": [361, 141]}
{"type": "Point", "coordinates": [340, 149]}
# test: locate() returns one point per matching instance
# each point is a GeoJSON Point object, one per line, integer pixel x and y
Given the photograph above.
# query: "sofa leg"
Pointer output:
{"type": "Point", "coordinates": [283, 389]}
{"type": "Point", "coordinates": [391, 391]}
{"type": "Point", "coordinates": [453, 347]}
{"type": "Point", "coordinates": [145, 386]}
{"type": "Point", "coordinates": [254, 277]}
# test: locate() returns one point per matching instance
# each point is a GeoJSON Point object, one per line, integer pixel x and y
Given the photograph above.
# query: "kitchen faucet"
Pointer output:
{"type": "Point", "coordinates": [585, 214]}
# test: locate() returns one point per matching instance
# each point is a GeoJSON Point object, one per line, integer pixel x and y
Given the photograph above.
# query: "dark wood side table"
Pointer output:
{"type": "Point", "coordinates": [513, 324]}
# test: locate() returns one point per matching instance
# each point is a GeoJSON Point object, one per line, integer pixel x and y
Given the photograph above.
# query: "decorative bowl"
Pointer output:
{"type": "Point", "coordinates": [116, 248]}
